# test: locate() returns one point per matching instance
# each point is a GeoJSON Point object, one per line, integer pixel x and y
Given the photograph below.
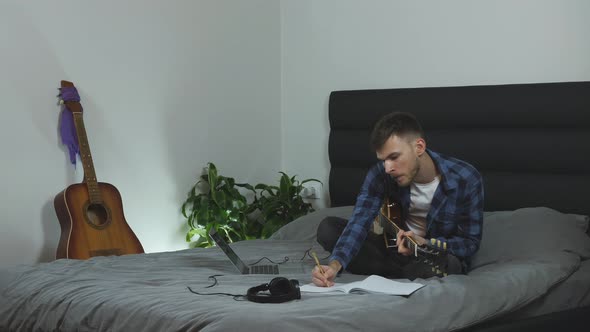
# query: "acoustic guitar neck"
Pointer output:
{"type": "Point", "coordinates": [389, 217]}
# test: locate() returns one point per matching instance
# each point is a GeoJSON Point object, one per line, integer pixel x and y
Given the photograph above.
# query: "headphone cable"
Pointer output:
{"type": "Point", "coordinates": [237, 297]}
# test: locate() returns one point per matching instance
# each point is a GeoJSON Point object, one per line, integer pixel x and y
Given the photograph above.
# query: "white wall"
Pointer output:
{"type": "Point", "coordinates": [166, 86]}
{"type": "Point", "coordinates": [170, 85]}
{"type": "Point", "coordinates": [344, 44]}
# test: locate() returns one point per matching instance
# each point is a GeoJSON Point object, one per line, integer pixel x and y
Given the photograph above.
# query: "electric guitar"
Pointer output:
{"type": "Point", "coordinates": [91, 213]}
{"type": "Point", "coordinates": [433, 252]}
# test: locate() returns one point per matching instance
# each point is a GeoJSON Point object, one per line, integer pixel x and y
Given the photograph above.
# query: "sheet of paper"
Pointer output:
{"type": "Point", "coordinates": [311, 288]}
{"type": "Point", "coordinates": [372, 284]}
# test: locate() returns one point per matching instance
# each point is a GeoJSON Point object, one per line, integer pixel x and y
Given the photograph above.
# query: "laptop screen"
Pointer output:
{"type": "Point", "coordinates": [233, 257]}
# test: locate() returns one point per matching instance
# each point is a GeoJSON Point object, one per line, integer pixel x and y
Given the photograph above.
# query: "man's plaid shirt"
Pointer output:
{"type": "Point", "coordinates": [455, 216]}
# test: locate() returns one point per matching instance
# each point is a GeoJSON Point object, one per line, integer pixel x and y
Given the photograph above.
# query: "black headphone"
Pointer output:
{"type": "Point", "coordinates": [281, 290]}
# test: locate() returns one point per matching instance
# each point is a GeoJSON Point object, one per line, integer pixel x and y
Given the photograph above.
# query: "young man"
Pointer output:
{"type": "Point", "coordinates": [440, 197]}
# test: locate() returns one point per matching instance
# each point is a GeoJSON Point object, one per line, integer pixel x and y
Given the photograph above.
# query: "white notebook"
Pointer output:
{"type": "Point", "coordinates": [372, 284]}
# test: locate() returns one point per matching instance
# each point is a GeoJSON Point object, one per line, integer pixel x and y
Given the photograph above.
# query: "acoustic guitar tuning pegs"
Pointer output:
{"type": "Point", "coordinates": [445, 245]}
{"type": "Point", "coordinates": [438, 243]}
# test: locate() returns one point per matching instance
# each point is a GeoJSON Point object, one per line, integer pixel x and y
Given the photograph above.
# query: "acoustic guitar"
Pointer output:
{"type": "Point", "coordinates": [433, 253]}
{"type": "Point", "coordinates": [91, 213]}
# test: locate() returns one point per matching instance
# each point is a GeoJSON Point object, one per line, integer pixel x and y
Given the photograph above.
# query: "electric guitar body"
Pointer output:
{"type": "Point", "coordinates": [91, 213]}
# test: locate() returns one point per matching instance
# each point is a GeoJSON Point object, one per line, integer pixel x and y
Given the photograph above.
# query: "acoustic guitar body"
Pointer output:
{"type": "Point", "coordinates": [96, 228]}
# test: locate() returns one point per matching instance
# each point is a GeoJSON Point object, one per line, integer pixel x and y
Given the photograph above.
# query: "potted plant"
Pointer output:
{"type": "Point", "coordinates": [279, 205]}
{"type": "Point", "coordinates": [220, 205]}
{"type": "Point", "coordinates": [215, 202]}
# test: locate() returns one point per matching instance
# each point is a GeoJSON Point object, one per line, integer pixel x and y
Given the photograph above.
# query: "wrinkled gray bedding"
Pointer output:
{"type": "Point", "coordinates": [574, 292]}
{"type": "Point", "coordinates": [148, 292]}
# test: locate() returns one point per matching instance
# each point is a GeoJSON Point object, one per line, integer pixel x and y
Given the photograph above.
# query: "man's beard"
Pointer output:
{"type": "Point", "coordinates": [411, 175]}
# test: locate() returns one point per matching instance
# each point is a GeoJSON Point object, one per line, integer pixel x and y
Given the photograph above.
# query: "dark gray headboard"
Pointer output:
{"type": "Point", "coordinates": [531, 142]}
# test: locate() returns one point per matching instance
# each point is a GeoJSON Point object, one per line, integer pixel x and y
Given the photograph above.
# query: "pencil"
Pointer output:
{"type": "Point", "coordinates": [317, 262]}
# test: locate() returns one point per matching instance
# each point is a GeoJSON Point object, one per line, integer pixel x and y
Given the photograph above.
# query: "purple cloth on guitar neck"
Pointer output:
{"type": "Point", "coordinates": [67, 128]}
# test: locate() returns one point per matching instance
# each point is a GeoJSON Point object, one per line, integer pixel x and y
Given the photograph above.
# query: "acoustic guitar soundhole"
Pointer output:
{"type": "Point", "coordinates": [97, 215]}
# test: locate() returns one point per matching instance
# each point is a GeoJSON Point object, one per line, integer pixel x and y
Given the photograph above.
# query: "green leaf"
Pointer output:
{"type": "Point", "coordinates": [285, 186]}
{"type": "Point", "coordinates": [190, 221]}
{"type": "Point", "coordinates": [284, 175]}
{"type": "Point", "coordinates": [212, 179]}
{"type": "Point", "coordinates": [238, 205]}
{"type": "Point", "coordinates": [203, 211]}
{"type": "Point", "coordinates": [190, 234]}
{"type": "Point", "coordinates": [221, 215]}
{"type": "Point", "coordinates": [183, 209]}
{"type": "Point", "coordinates": [220, 199]}
{"type": "Point", "coordinates": [261, 186]}
{"type": "Point", "coordinates": [233, 215]}
{"type": "Point", "coordinates": [247, 186]}
{"type": "Point", "coordinates": [230, 181]}
{"type": "Point", "coordinates": [234, 194]}
{"type": "Point", "coordinates": [285, 181]}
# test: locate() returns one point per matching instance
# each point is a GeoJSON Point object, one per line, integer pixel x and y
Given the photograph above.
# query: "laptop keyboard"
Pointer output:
{"type": "Point", "coordinates": [264, 269]}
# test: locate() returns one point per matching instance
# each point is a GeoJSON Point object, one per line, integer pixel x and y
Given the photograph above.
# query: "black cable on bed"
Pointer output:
{"type": "Point", "coordinates": [286, 259]}
{"type": "Point", "coordinates": [214, 280]}
{"type": "Point", "coordinates": [307, 254]}
{"type": "Point", "coordinates": [237, 297]}
{"type": "Point", "coordinates": [258, 261]}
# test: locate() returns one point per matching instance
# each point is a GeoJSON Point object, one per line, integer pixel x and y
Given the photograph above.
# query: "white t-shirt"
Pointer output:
{"type": "Point", "coordinates": [420, 198]}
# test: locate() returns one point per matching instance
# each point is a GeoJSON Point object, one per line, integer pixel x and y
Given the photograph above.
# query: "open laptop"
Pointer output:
{"type": "Point", "coordinates": [238, 263]}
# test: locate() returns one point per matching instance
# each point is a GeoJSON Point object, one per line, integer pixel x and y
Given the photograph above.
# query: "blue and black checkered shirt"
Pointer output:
{"type": "Point", "coordinates": [455, 216]}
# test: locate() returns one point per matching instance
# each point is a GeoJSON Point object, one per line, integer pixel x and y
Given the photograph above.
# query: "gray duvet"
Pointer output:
{"type": "Point", "coordinates": [148, 292]}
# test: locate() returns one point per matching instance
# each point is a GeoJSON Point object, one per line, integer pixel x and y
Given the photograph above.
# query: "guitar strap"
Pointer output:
{"type": "Point", "coordinates": [67, 128]}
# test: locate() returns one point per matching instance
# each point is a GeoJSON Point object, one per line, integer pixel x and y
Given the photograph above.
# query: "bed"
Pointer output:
{"type": "Point", "coordinates": [531, 143]}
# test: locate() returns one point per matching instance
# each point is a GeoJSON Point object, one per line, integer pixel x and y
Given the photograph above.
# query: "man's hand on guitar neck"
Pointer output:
{"type": "Point", "coordinates": [402, 248]}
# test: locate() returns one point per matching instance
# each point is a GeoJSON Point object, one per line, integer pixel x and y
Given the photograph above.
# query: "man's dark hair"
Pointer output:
{"type": "Point", "coordinates": [400, 124]}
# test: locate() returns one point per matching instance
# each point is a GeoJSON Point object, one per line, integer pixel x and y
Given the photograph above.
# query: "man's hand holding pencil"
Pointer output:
{"type": "Point", "coordinates": [323, 275]}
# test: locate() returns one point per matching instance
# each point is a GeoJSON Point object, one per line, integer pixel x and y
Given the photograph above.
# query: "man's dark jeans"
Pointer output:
{"type": "Point", "coordinates": [374, 257]}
